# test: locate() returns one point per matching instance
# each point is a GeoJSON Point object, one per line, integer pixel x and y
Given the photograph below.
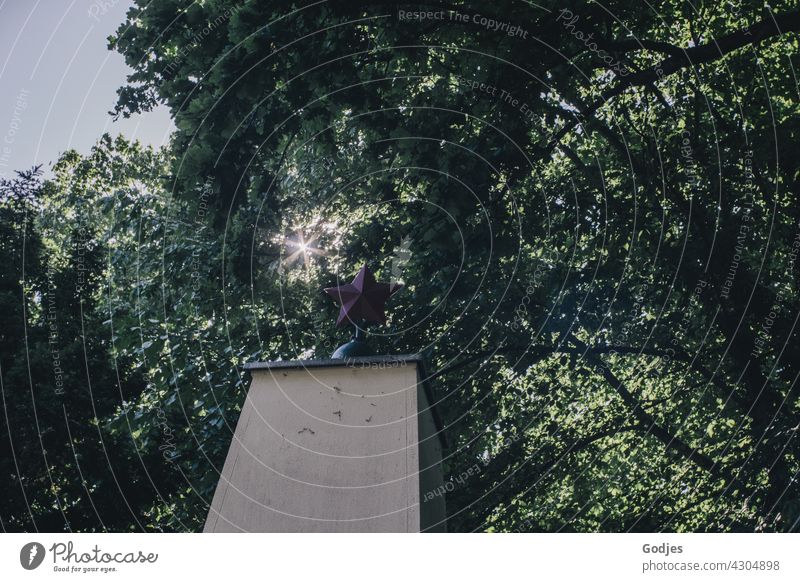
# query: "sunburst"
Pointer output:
{"type": "Point", "coordinates": [302, 247]}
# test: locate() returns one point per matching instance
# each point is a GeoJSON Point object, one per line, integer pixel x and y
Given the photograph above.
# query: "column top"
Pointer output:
{"type": "Point", "coordinates": [356, 362]}
{"type": "Point", "coordinates": [364, 362]}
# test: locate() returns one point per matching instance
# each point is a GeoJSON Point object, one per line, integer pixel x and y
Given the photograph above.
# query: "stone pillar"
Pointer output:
{"type": "Point", "coordinates": [333, 446]}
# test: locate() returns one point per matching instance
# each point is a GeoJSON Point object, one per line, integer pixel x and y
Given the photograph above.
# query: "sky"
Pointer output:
{"type": "Point", "coordinates": [58, 81]}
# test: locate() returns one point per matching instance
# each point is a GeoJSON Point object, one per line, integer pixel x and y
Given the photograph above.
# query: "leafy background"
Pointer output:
{"type": "Point", "coordinates": [602, 274]}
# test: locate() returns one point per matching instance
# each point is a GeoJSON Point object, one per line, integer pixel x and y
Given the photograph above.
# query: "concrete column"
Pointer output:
{"type": "Point", "coordinates": [333, 446]}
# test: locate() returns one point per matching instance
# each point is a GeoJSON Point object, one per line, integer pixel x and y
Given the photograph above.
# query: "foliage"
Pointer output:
{"type": "Point", "coordinates": [601, 271]}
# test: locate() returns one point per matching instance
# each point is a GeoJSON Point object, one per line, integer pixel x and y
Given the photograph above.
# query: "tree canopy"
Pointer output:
{"type": "Point", "coordinates": [593, 208]}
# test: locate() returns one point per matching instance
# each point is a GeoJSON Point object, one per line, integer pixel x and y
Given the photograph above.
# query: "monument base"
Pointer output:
{"type": "Point", "coordinates": [333, 446]}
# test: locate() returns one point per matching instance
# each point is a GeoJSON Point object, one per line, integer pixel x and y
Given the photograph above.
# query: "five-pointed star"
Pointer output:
{"type": "Point", "coordinates": [363, 299]}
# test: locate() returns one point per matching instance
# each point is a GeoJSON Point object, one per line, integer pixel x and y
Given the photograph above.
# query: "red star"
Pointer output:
{"type": "Point", "coordinates": [363, 299]}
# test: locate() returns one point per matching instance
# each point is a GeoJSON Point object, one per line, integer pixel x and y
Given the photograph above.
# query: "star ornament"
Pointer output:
{"type": "Point", "coordinates": [363, 299]}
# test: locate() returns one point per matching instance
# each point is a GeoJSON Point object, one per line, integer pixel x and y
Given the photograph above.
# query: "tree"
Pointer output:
{"type": "Point", "coordinates": [606, 194]}
{"type": "Point", "coordinates": [591, 207]}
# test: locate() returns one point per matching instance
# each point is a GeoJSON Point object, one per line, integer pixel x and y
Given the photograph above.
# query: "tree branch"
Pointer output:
{"type": "Point", "coordinates": [636, 44]}
{"type": "Point", "coordinates": [669, 440]}
{"type": "Point", "coordinates": [547, 350]}
{"type": "Point", "coordinates": [678, 354]}
{"type": "Point", "coordinates": [775, 25]}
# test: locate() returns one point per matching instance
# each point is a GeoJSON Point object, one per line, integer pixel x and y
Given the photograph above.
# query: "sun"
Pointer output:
{"type": "Point", "coordinates": [301, 247]}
